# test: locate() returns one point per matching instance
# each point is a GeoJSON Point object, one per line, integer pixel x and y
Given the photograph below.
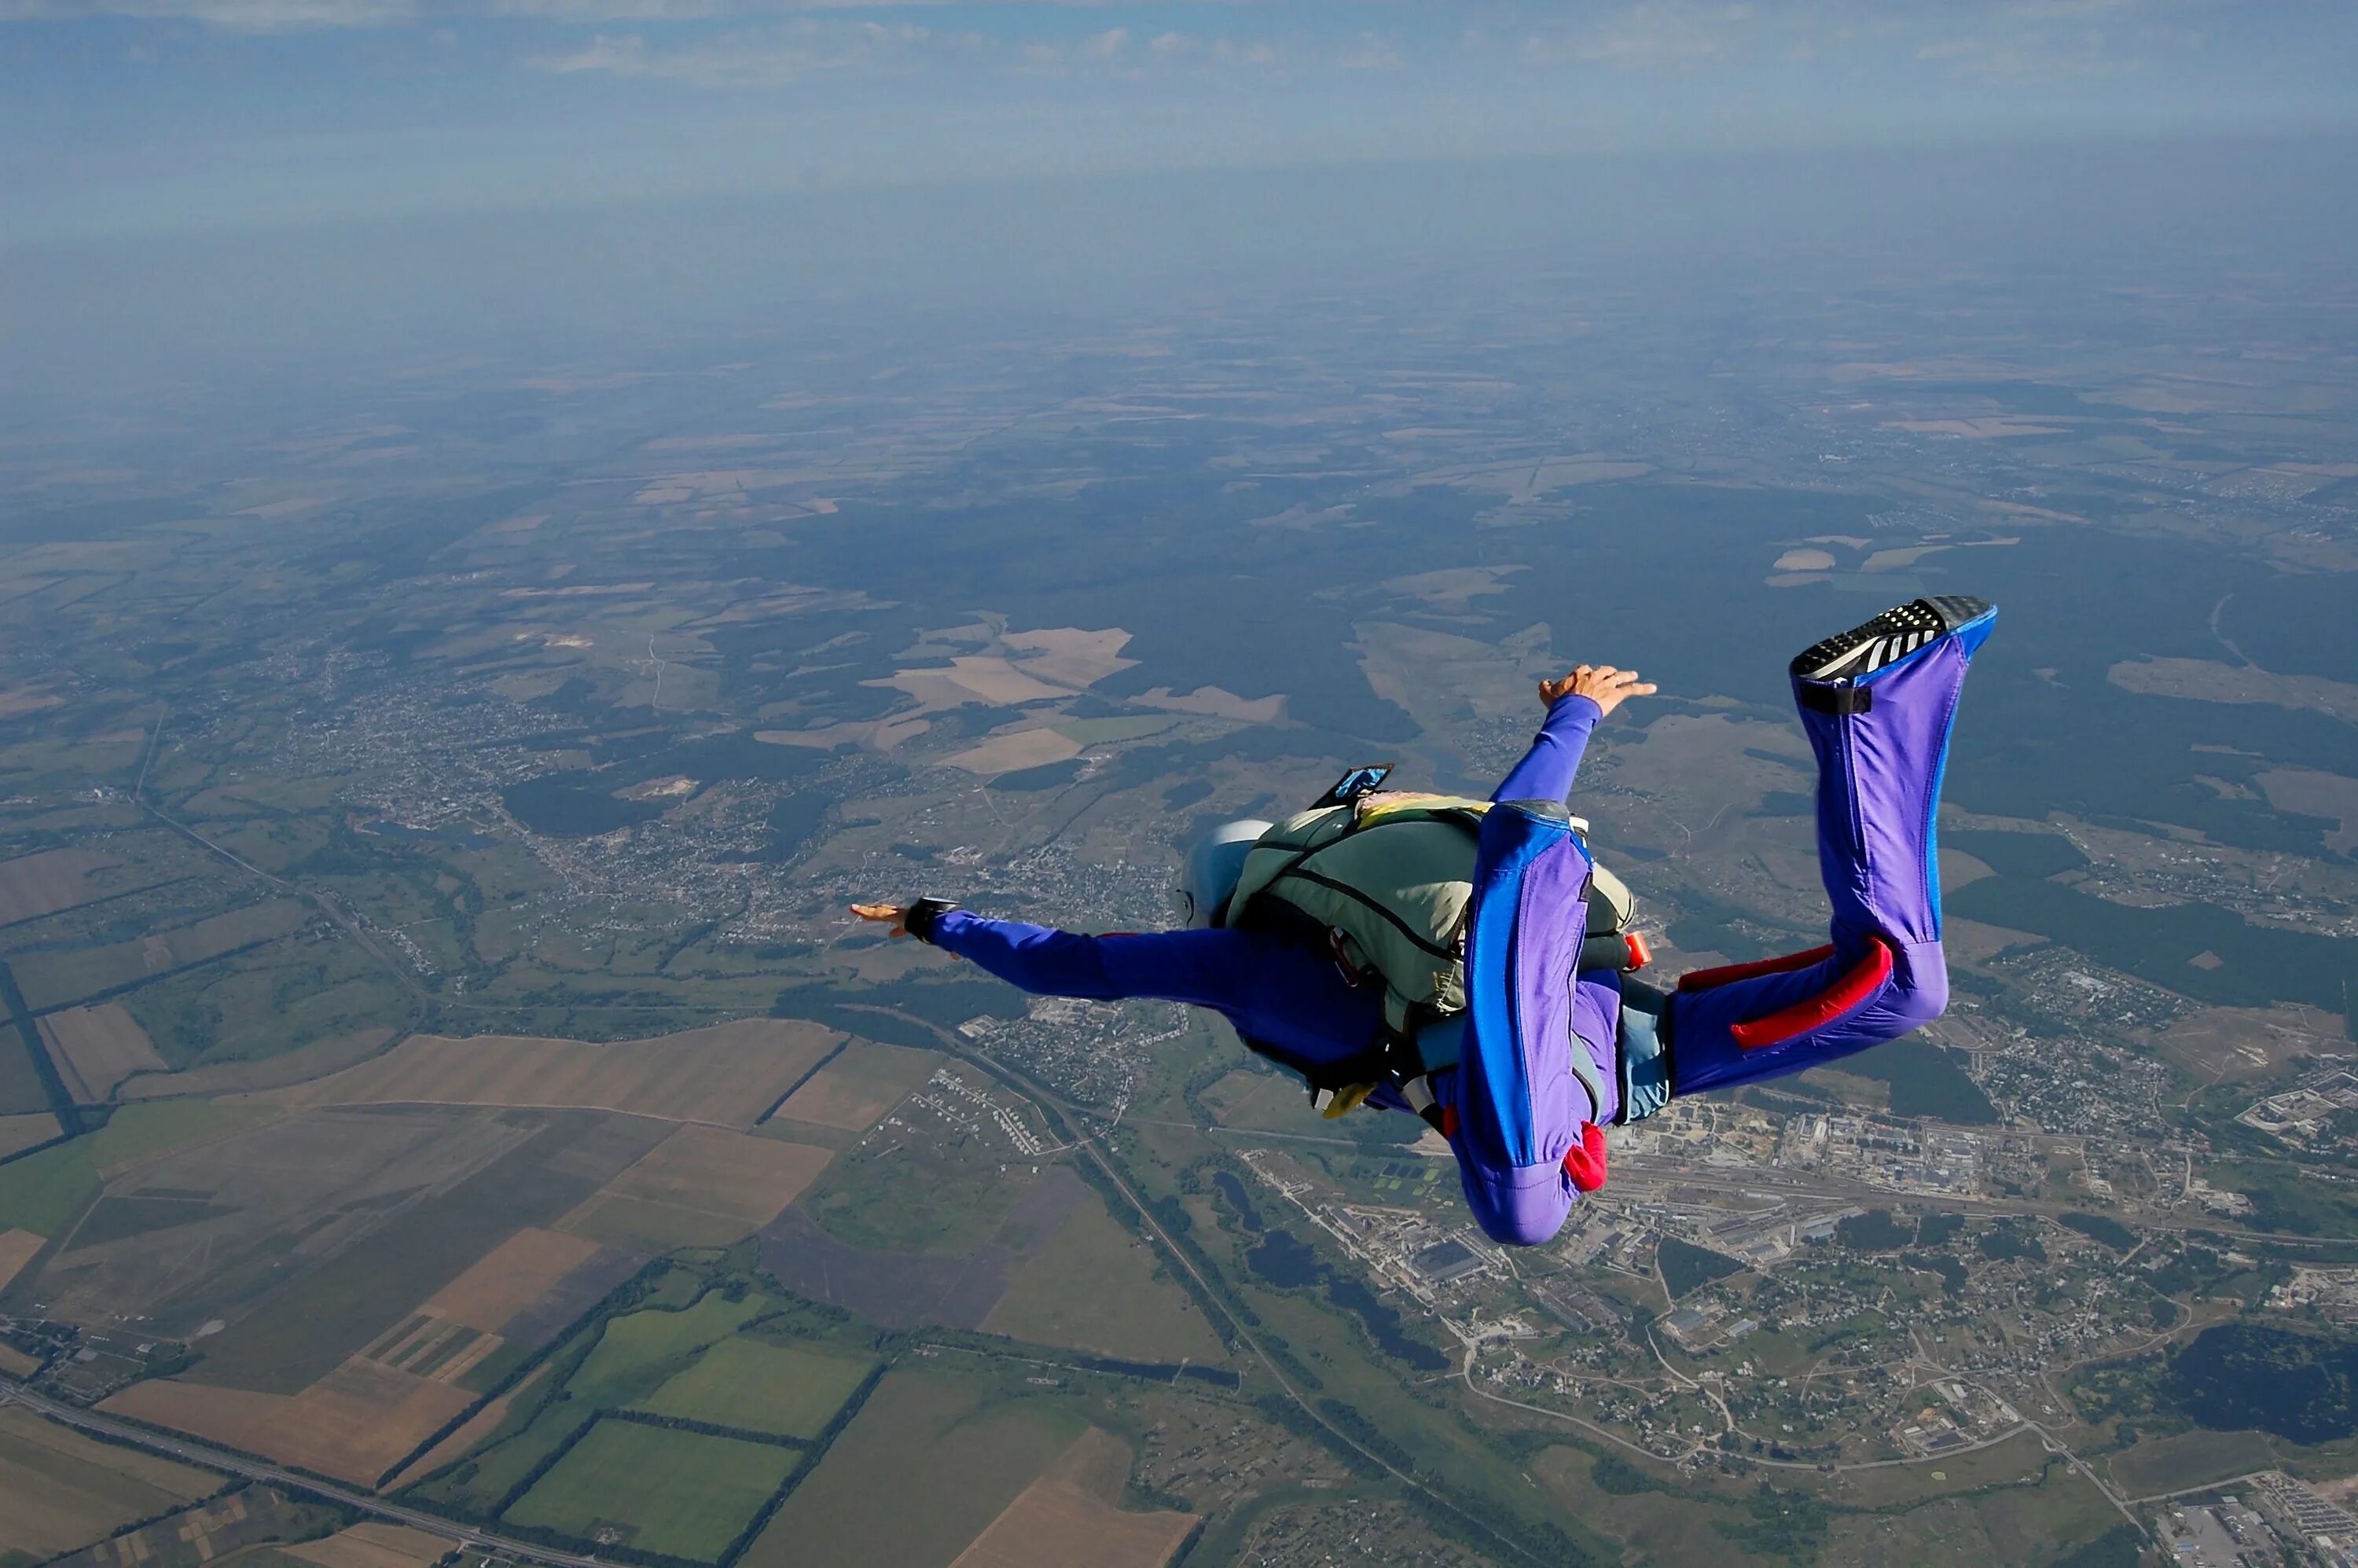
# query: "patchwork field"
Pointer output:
{"type": "Point", "coordinates": [95, 1048]}
{"type": "Point", "coordinates": [755, 1386]}
{"type": "Point", "coordinates": [354, 1424]}
{"type": "Point", "coordinates": [298, 1335]}
{"type": "Point", "coordinates": [632, 1358]}
{"type": "Point", "coordinates": [198, 1228]}
{"type": "Point", "coordinates": [728, 1075]}
{"type": "Point", "coordinates": [1069, 1518]}
{"type": "Point", "coordinates": [34, 885]}
{"type": "Point", "coordinates": [43, 1193]}
{"type": "Point", "coordinates": [702, 1186]}
{"type": "Point", "coordinates": [681, 1493]}
{"type": "Point", "coordinates": [1093, 1286]}
{"type": "Point", "coordinates": [59, 1491]}
{"type": "Point", "coordinates": [860, 1085]}
{"type": "Point", "coordinates": [242, 1525]}
{"type": "Point", "coordinates": [971, 1462]}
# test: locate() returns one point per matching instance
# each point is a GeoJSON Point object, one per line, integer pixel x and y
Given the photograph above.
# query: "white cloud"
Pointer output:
{"type": "Point", "coordinates": [1653, 35]}
{"type": "Point", "coordinates": [767, 57]}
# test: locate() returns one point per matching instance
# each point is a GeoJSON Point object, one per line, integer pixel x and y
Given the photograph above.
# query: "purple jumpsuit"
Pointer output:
{"type": "Point", "coordinates": [1879, 769]}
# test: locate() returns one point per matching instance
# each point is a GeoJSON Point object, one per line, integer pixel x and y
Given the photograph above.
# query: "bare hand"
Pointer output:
{"type": "Point", "coordinates": [1602, 684]}
{"type": "Point", "coordinates": [891, 914]}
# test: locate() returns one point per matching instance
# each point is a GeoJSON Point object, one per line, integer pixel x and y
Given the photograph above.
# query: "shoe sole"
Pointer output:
{"type": "Point", "coordinates": [1889, 637]}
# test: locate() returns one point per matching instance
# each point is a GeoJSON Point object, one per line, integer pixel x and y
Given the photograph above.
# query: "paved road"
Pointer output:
{"type": "Point", "coordinates": [258, 1470]}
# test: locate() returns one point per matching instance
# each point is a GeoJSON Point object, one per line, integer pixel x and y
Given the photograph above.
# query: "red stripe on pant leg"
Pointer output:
{"type": "Point", "coordinates": [1704, 979]}
{"type": "Point", "coordinates": [1866, 977]}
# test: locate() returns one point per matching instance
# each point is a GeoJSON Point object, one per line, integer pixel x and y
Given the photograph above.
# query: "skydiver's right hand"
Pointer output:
{"type": "Point", "coordinates": [1603, 684]}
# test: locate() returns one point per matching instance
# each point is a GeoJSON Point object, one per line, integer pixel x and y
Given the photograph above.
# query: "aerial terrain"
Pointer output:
{"type": "Point", "coordinates": [444, 1101]}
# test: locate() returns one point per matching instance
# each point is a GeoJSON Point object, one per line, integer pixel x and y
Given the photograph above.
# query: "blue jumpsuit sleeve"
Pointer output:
{"type": "Point", "coordinates": [1208, 968]}
{"type": "Point", "coordinates": [1548, 769]}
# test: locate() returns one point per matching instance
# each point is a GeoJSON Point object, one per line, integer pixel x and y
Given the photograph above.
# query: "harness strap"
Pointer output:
{"type": "Point", "coordinates": [1834, 699]}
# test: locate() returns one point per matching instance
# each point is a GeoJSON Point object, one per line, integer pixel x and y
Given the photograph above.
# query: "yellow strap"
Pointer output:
{"type": "Point", "coordinates": [1347, 1100]}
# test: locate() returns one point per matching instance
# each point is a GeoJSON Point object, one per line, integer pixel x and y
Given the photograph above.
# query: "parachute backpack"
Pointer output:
{"type": "Point", "coordinates": [1394, 884]}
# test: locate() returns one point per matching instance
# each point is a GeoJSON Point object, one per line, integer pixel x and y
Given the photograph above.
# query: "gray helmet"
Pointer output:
{"type": "Point", "coordinates": [1210, 878]}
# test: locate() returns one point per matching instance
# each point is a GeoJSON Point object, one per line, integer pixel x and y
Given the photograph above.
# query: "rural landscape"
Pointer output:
{"type": "Point", "coordinates": [449, 1117]}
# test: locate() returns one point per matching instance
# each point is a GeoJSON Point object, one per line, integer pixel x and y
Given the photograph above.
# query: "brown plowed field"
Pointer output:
{"type": "Point", "coordinates": [860, 1085]}
{"type": "Point", "coordinates": [727, 1075]}
{"type": "Point", "coordinates": [1066, 1518]}
{"type": "Point", "coordinates": [96, 1048]}
{"type": "Point", "coordinates": [354, 1423]}
{"type": "Point", "coordinates": [519, 1271]}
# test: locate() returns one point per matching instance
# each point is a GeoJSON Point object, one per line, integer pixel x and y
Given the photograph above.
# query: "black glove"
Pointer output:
{"type": "Point", "coordinates": [919, 917]}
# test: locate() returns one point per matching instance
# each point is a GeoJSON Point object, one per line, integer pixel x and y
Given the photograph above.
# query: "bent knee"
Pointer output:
{"type": "Point", "coordinates": [1919, 990]}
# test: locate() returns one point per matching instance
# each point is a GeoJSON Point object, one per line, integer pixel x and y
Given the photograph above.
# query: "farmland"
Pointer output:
{"type": "Point", "coordinates": [756, 1385]}
{"type": "Point", "coordinates": [1069, 1518]}
{"type": "Point", "coordinates": [860, 1085]}
{"type": "Point", "coordinates": [50, 978]}
{"type": "Point", "coordinates": [728, 1075]}
{"type": "Point", "coordinates": [354, 1422]}
{"type": "Point", "coordinates": [972, 1459]}
{"type": "Point", "coordinates": [297, 1336]}
{"type": "Point", "coordinates": [59, 1491]}
{"type": "Point", "coordinates": [42, 1193]}
{"type": "Point", "coordinates": [703, 1186]}
{"type": "Point", "coordinates": [682, 1494]}
{"type": "Point", "coordinates": [1094, 1286]}
{"type": "Point", "coordinates": [629, 1358]}
{"type": "Point", "coordinates": [34, 885]}
{"type": "Point", "coordinates": [95, 1048]}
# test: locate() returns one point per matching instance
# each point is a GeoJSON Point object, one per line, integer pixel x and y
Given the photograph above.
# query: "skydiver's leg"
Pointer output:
{"type": "Point", "coordinates": [1878, 705]}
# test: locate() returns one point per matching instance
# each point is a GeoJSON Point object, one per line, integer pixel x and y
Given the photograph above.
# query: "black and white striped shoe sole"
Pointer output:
{"type": "Point", "coordinates": [1889, 637]}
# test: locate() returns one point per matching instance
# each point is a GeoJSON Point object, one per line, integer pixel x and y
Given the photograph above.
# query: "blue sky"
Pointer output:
{"type": "Point", "coordinates": [155, 115]}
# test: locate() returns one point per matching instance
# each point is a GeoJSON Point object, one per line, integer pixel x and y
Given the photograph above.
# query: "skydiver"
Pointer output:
{"type": "Point", "coordinates": [1876, 703]}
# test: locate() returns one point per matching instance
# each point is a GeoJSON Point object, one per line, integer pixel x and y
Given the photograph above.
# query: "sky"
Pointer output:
{"type": "Point", "coordinates": [126, 117]}
{"type": "Point", "coordinates": [291, 191]}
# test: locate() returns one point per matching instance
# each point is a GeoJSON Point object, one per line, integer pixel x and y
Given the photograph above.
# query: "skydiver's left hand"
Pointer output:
{"type": "Point", "coordinates": [891, 914]}
{"type": "Point", "coordinates": [1603, 684]}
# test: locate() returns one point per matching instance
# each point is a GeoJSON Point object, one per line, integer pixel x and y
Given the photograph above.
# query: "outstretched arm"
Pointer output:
{"type": "Point", "coordinates": [1208, 968]}
{"type": "Point", "coordinates": [1575, 704]}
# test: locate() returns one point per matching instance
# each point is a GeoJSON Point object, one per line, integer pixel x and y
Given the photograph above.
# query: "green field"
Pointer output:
{"type": "Point", "coordinates": [680, 1493]}
{"type": "Point", "coordinates": [915, 1436]}
{"type": "Point", "coordinates": [634, 1356]}
{"type": "Point", "coordinates": [43, 1192]}
{"type": "Point", "coordinates": [756, 1386]}
{"type": "Point", "coordinates": [650, 1342]}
